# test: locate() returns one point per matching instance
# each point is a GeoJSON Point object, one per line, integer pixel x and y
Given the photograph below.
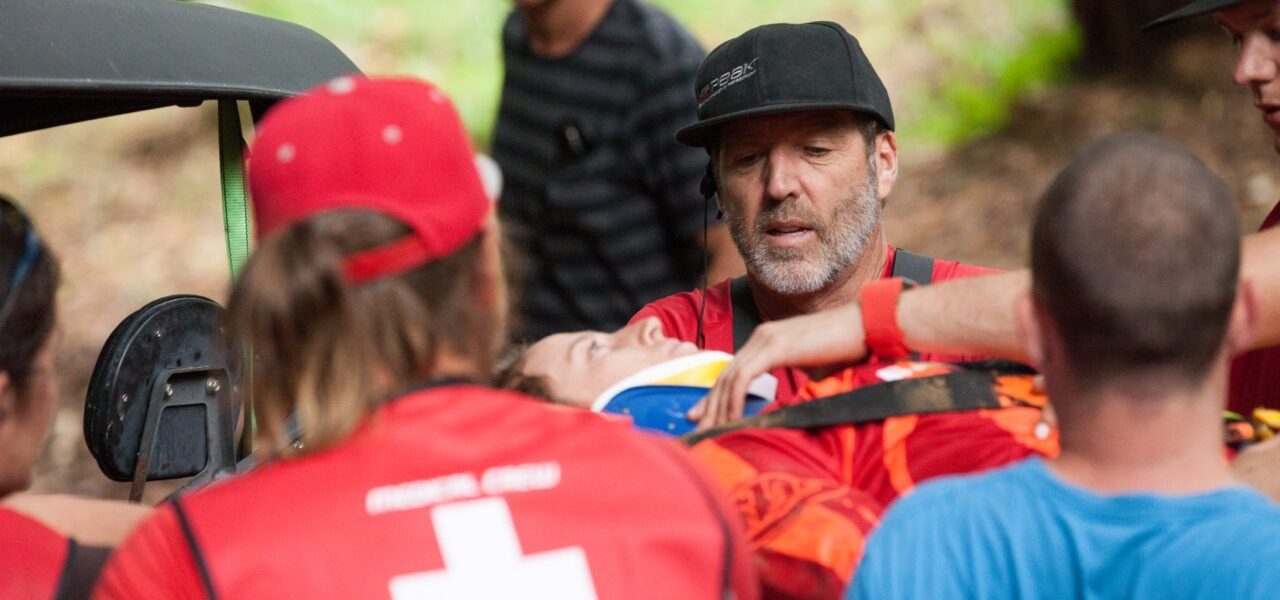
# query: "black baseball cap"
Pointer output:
{"type": "Point", "coordinates": [784, 68]}
{"type": "Point", "coordinates": [1192, 9]}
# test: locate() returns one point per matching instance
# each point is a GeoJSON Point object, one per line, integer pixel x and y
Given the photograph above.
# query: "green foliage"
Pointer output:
{"type": "Point", "coordinates": [954, 67]}
{"type": "Point", "coordinates": [977, 99]}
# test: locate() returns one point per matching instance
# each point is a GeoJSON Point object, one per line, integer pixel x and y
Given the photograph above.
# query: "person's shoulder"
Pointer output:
{"type": "Point", "coordinates": [154, 561]}
{"type": "Point", "coordinates": [678, 303]}
{"type": "Point", "coordinates": [515, 34]}
{"type": "Point", "coordinates": [664, 38]}
{"type": "Point", "coordinates": [938, 527]}
{"type": "Point", "coordinates": [31, 556]}
{"type": "Point", "coordinates": [924, 531]}
{"type": "Point", "coordinates": [583, 441]}
{"type": "Point", "coordinates": [682, 304]}
{"type": "Point", "coordinates": [1254, 544]}
{"type": "Point", "coordinates": [15, 524]}
{"type": "Point", "coordinates": [944, 269]}
{"type": "Point", "coordinates": [1246, 516]}
{"type": "Point", "coordinates": [1226, 548]}
{"type": "Point", "coordinates": [679, 313]}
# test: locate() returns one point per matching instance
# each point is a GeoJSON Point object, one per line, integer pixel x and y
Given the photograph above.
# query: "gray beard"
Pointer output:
{"type": "Point", "coordinates": [790, 271]}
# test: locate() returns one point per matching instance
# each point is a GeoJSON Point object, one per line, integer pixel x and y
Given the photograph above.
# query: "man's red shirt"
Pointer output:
{"type": "Point", "coordinates": [458, 490]}
{"type": "Point", "coordinates": [679, 316]}
{"type": "Point", "coordinates": [1255, 376]}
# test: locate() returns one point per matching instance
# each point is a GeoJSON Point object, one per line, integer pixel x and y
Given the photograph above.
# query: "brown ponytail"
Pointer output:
{"type": "Point", "coordinates": [331, 352]}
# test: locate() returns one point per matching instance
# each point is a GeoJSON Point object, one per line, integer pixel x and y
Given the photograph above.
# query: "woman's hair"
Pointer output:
{"type": "Point", "coordinates": [329, 351]}
{"type": "Point", "coordinates": [510, 375]}
{"type": "Point", "coordinates": [30, 294]}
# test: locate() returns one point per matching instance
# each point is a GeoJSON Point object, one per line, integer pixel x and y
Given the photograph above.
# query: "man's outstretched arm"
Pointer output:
{"type": "Point", "coordinates": [965, 316]}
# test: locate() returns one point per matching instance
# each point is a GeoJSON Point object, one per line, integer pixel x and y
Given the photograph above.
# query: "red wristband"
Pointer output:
{"type": "Point", "coordinates": [880, 318]}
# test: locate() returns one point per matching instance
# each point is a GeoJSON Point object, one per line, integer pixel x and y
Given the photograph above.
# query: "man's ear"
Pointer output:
{"type": "Point", "coordinates": [1243, 326]}
{"type": "Point", "coordinates": [886, 149]}
{"type": "Point", "coordinates": [710, 186]}
{"type": "Point", "coordinates": [1029, 330]}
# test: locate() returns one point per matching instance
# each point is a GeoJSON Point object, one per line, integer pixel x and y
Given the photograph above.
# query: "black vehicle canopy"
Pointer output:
{"type": "Point", "coordinates": [65, 61]}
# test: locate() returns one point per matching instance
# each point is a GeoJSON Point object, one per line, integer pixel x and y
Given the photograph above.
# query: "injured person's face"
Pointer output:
{"type": "Point", "coordinates": [580, 366]}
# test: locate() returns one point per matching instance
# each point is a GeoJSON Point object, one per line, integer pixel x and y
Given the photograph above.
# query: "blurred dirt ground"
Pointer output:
{"type": "Point", "coordinates": [131, 203]}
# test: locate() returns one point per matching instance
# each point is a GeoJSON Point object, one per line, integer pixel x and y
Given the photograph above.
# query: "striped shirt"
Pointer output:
{"type": "Point", "coordinates": [600, 203]}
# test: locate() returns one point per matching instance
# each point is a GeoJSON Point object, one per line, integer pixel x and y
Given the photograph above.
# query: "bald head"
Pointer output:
{"type": "Point", "coordinates": [1135, 257]}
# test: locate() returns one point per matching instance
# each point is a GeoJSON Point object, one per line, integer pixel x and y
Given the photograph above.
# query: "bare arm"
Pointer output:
{"type": "Point", "coordinates": [965, 316]}
{"type": "Point", "coordinates": [974, 315]}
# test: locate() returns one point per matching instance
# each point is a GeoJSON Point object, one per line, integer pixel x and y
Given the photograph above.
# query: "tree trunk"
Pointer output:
{"type": "Point", "coordinates": [1112, 42]}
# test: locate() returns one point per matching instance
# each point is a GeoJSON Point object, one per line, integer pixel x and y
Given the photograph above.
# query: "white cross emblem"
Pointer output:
{"type": "Point", "coordinates": [483, 559]}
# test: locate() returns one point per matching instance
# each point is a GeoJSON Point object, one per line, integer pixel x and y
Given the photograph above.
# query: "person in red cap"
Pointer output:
{"type": "Point", "coordinates": [373, 305]}
{"type": "Point", "coordinates": [799, 131]}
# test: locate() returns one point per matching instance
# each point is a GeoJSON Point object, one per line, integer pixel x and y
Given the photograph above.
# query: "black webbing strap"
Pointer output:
{"type": "Point", "coordinates": [80, 571]}
{"type": "Point", "coordinates": [206, 580]}
{"type": "Point", "coordinates": [746, 317]}
{"type": "Point", "coordinates": [953, 392]}
{"type": "Point", "coordinates": [916, 267]}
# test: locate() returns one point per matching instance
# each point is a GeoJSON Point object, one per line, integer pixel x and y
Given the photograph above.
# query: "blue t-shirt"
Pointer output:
{"type": "Point", "coordinates": [1020, 532]}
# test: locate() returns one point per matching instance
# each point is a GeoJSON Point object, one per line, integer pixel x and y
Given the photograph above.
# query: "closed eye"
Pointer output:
{"type": "Point", "coordinates": [597, 348]}
{"type": "Point", "coordinates": [745, 160]}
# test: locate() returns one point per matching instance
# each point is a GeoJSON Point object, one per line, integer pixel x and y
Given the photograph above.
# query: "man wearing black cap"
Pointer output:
{"type": "Point", "coordinates": [799, 129]}
{"type": "Point", "coordinates": [1254, 26]}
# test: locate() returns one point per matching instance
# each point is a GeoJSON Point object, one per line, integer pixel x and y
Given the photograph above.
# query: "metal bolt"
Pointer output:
{"type": "Point", "coordinates": [212, 386]}
{"type": "Point", "coordinates": [168, 390]}
{"type": "Point", "coordinates": [159, 334]}
{"type": "Point", "coordinates": [124, 398]}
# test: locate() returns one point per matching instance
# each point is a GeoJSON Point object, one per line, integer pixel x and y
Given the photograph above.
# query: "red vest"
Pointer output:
{"type": "Point", "coordinates": [32, 557]}
{"type": "Point", "coordinates": [679, 316]}
{"type": "Point", "coordinates": [456, 492]}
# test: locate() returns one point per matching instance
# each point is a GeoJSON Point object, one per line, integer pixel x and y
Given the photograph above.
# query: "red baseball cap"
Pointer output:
{"type": "Point", "coordinates": [394, 146]}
